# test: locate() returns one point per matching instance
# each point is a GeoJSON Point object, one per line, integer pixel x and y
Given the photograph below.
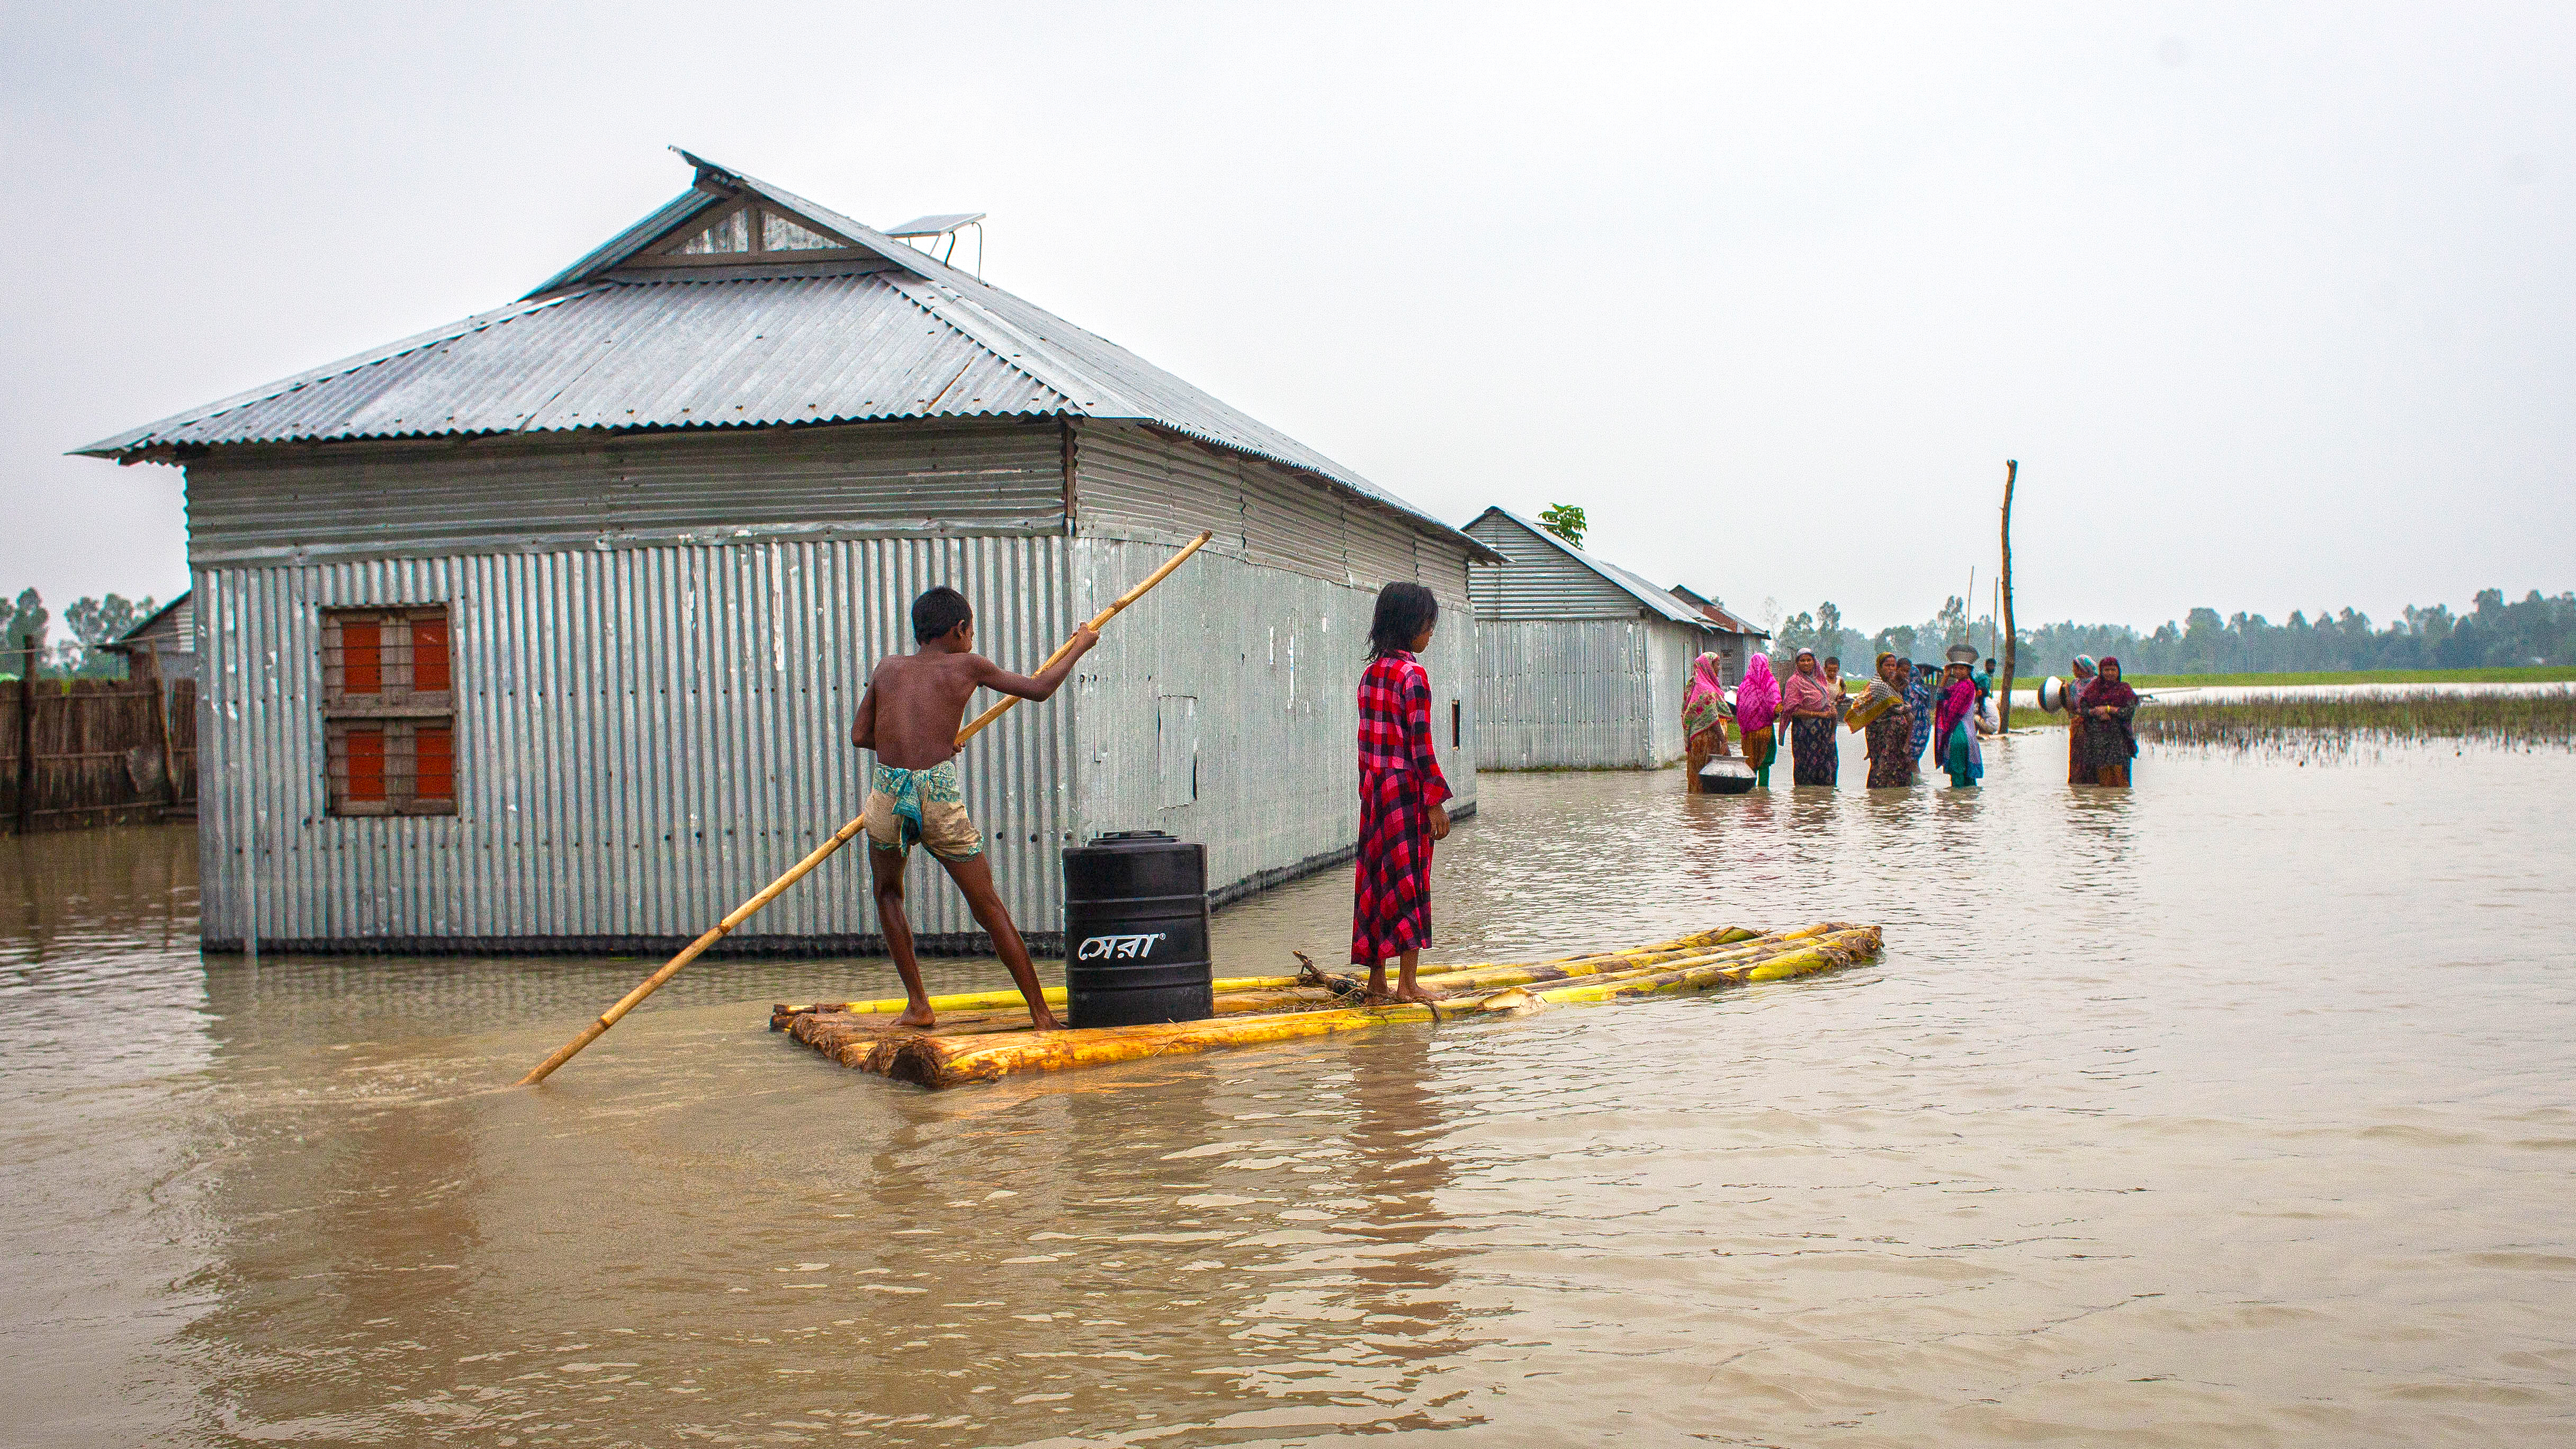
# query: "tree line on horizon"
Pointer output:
{"type": "Point", "coordinates": [2536, 630]}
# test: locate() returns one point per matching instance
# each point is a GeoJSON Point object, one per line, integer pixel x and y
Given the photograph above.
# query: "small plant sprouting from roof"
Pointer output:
{"type": "Point", "coordinates": [1565, 520]}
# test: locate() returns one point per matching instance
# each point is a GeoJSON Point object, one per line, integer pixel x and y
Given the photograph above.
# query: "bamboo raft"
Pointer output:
{"type": "Point", "coordinates": [985, 1036]}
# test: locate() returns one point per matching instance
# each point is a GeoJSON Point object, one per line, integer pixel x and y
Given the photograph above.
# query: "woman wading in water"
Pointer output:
{"type": "Point", "coordinates": [1891, 725]}
{"type": "Point", "coordinates": [1401, 794]}
{"type": "Point", "coordinates": [1703, 719]}
{"type": "Point", "coordinates": [2110, 713]}
{"type": "Point", "coordinates": [1757, 708]}
{"type": "Point", "coordinates": [1812, 713]}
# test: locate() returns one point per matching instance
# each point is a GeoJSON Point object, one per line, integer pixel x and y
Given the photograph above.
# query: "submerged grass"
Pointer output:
{"type": "Point", "coordinates": [2305, 725]}
{"type": "Point", "coordinates": [2503, 674]}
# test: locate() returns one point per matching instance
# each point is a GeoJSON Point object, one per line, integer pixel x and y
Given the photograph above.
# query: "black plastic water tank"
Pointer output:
{"type": "Point", "coordinates": [1136, 931]}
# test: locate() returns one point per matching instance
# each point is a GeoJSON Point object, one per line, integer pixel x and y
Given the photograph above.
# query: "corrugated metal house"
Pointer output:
{"type": "Point", "coordinates": [1580, 664]}
{"type": "Point", "coordinates": [1737, 636]}
{"type": "Point", "coordinates": [543, 630]}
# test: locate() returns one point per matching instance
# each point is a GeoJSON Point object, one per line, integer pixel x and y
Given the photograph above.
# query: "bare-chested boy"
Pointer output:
{"type": "Point", "coordinates": [909, 716]}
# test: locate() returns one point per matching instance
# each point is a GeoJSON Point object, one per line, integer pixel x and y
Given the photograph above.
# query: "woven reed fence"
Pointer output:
{"type": "Point", "coordinates": [106, 752]}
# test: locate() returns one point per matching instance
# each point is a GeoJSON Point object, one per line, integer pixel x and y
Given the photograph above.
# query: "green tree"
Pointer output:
{"type": "Point", "coordinates": [94, 622]}
{"type": "Point", "coordinates": [1565, 520]}
{"type": "Point", "coordinates": [17, 621]}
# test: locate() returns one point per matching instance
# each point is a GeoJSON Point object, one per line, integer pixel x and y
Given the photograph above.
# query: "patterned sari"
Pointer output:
{"type": "Point", "coordinates": [1400, 785]}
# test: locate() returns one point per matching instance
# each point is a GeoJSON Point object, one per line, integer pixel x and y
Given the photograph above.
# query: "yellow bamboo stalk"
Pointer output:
{"type": "Point", "coordinates": [823, 852]}
{"type": "Point", "coordinates": [1055, 995]}
{"type": "Point", "coordinates": [933, 1061]}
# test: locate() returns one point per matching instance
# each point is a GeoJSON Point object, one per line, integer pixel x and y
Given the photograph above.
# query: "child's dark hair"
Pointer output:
{"type": "Point", "coordinates": [1404, 610]}
{"type": "Point", "coordinates": [938, 610]}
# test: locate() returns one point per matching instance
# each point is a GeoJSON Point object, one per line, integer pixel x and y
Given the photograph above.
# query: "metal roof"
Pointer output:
{"type": "Point", "coordinates": [1655, 600]}
{"type": "Point", "coordinates": [587, 350]}
{"type": "Point", "coordinates": [1726, 620]}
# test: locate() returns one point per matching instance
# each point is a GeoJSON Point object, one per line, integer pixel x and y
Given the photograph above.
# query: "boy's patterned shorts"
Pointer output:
{"type": "Point", "coordinates": [927, 806]}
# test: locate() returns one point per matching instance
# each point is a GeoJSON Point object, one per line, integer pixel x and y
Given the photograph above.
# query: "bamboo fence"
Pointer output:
{"type": "Point", "coordinates": [106, 752]}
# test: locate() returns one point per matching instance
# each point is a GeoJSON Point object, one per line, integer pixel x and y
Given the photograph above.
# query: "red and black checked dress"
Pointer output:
{"type": "Point", "coordinates": [1400, 785]}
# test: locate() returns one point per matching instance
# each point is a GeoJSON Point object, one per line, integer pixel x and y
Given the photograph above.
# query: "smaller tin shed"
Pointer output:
{"type": "Point", "coordinates": [1735, 634]}
{"type": "Point", "coordinates": [164, 645]}
{"type": "Point", "coordinates": [1580, 664]}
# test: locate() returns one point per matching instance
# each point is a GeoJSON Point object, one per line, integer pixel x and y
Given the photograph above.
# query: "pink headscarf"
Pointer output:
{"type": "Point", "coordinates": [1757, 699]}
{"type": "Point", "coordinates": [1702, 703]}
{"type": "Point", "coordinates": [1802, 690]}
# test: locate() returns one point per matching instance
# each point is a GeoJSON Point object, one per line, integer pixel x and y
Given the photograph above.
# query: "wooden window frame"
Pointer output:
{"type": "Point", "coordinates": [400, 716]}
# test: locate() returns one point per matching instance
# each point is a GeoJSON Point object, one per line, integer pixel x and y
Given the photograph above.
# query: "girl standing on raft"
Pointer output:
{"type": "Point", "coordinates": [1757, 707]}
{"type": "Point", "coordinates": [1401, 794]}
{"type": "Point", "coordinates": [1703, 719]}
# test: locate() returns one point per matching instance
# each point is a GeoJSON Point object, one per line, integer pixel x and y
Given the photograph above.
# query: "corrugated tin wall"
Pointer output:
{"type": "Point", "coordinates": [1222, 708]}
{"type": "Point", "coordinates": [1537, 580]}
{"type": "Point", "coordinates": [1671, 649]}
{"type": "Point", "coordinates": [1563, 694]}
{"type": "Point", "coordinates": [645, 737]}
{"type": "Point", "coordinates": [1132, 481]}
{"type": "Point", "coordinates": [1247, 662]}
{"type": "Point", "coordinates": [299, 503]}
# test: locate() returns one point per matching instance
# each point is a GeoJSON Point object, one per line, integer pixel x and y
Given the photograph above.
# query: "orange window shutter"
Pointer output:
{"type": "Point", "coordinates": [434, 760]}
{"type": "Point", "coordinates": [366, 751]}
{"type": "Point", "coordinates": [362, 661]}
{"type": "Point", "coordinates": [429, 669]}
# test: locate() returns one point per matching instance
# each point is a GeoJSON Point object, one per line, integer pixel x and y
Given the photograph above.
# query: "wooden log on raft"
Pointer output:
{"type": "Point", "coordinates": [941, 1059]}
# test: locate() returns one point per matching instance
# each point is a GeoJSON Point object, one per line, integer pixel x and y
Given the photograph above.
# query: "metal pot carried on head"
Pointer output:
{"type": "Point", "coordinates": [2054, 694]}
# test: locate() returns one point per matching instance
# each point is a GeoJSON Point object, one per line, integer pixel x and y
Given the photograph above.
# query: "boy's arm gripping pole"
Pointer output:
{"type": "Point", "coordinates": [821, 853]}
{"type": "Point", "coordinates": [976, 725]}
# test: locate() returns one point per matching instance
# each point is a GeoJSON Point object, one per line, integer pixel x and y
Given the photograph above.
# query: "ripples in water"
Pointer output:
{"type": "Point", "coordinates": [2233, 1106]}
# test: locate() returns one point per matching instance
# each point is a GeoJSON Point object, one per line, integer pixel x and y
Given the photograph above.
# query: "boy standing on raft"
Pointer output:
{"type": "Point", "coordinates": [1401, 794]}
{"type": "Point", "coordinates": [909, 716]}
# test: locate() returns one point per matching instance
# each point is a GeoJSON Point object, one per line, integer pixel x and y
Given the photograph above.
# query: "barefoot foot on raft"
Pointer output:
{"type": "Point", "coordinates": [917, 1016]}
{"type": "Point", "coordinates": [1044, 1021]}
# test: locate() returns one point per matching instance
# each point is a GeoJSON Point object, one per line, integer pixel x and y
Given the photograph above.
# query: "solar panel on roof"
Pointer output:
{"type": "Point", "coordinates": [940, 224]}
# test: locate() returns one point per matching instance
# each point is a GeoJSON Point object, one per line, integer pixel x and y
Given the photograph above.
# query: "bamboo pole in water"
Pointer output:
{"type": "Point", "coordinates": [934, 1061]}
{"type": "Point", "coordinates": [823, 852]}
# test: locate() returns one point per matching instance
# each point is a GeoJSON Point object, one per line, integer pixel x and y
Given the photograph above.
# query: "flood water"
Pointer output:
{"type": "Point", "coordinates": [2233, 1109]}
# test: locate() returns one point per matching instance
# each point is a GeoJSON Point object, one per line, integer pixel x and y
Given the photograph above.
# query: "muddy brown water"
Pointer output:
{"type": "Point", "coordinates": [2233, 1109]}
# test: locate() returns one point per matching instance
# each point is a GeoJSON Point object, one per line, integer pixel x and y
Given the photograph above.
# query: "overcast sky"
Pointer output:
{"type": "Point", "coordinates": [2272, 303]}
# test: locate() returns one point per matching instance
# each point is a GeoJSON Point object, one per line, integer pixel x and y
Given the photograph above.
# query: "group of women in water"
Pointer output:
{"type": "Point", "coordinates": [1904, 709]}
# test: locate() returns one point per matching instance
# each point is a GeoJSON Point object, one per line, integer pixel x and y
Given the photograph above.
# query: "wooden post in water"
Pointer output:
{"type": "Point", "coordinates": [2012, 472]}
{"type": "Point", "coordinates": [27, 735]}
{"type": "Point", "coordinates": [823, 852]}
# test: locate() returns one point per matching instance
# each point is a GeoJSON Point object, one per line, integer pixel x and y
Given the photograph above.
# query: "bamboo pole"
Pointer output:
{"type": "Point", "coordinates": [823, 852]}
{"type": "Point", "coordinates": [1104, 616]}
